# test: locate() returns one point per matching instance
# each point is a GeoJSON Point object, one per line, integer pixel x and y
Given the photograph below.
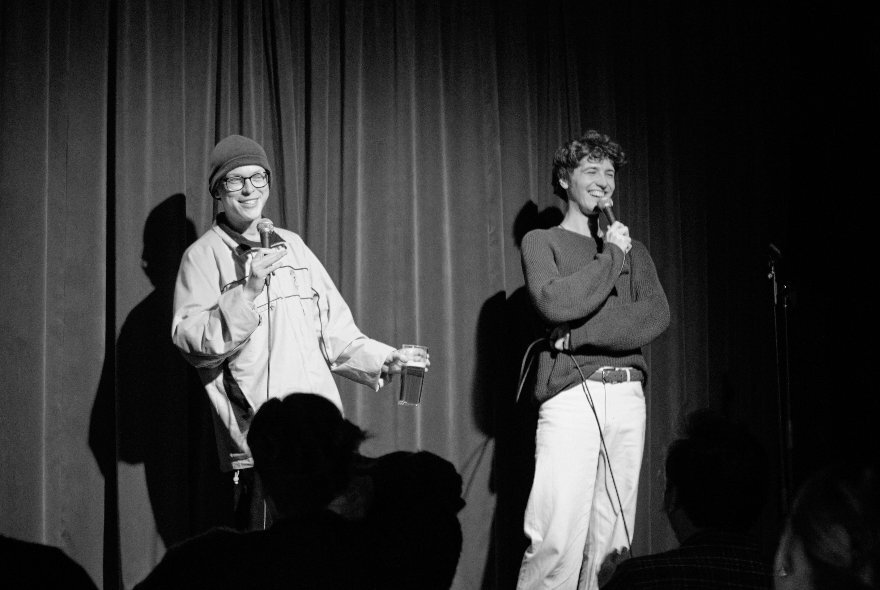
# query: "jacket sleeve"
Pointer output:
{"type": "Point", "coordinates": [623, 324]}
{"type": "Point", "coordinates": [348, 351]}
{"type": "Point", "coordinates": [209, 325]}
{"type": "Point", "coordinates": [569, 298]}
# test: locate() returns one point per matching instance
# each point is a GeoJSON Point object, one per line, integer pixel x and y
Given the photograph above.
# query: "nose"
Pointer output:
{"type": "Point", "coordinates": [248, 187]}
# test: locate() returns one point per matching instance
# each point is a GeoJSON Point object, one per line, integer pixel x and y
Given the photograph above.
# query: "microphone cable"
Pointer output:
{"type": "Point", "coordinates": [268, 375]}
{"type": "Point", "coordinates": [604, 449]}
{"type": "Point", "coordinates": [524, 368]}
{"type": "Point", "coordinates": [528, 359]}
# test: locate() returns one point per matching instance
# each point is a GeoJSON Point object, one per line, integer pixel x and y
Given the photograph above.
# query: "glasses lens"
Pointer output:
{"type": "Point", "coordinates": [234, 183]}
{"type": "Point", "coordinates": [260, 179]}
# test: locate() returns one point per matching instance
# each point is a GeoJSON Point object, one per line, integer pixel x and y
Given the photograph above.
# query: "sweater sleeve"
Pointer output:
{"type": "Point", "coordinates": [209, 326]}
{"type": "Point", "coordinates": [624, 324]}
{"type": "Point", "coordinates": [562, 298]}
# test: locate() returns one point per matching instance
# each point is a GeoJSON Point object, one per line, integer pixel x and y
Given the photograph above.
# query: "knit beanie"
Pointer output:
{"type": "Point", "coordinates": [232, 152]}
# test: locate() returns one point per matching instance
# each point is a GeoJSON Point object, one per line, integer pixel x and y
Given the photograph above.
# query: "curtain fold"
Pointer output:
{"type": "Point", "coordinates": [53, 109]}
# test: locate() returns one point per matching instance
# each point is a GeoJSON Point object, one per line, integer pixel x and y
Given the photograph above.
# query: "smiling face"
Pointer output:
{"type": "Point", "coordinates": [244, 207]}
{"type": "Point", "coordinates": [588, 184]}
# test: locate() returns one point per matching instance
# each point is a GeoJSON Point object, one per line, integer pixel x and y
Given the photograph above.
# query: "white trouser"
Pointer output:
{"type": "Point", "coordinates": [572, 517]}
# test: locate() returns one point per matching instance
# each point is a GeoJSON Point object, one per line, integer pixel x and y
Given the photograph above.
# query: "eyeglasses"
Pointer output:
{"type": "Point", "coordinates": [236, 183]}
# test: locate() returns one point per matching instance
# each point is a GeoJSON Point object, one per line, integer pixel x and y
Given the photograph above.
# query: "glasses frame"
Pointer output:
{"type": "Point", "coordinates": [244, 179]}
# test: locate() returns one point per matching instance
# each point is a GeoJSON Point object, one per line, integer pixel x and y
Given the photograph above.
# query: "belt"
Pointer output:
{"type": "Point", "coordinates": [617, 375]}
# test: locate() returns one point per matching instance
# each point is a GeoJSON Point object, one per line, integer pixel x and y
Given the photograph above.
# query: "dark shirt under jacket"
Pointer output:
{"type": "Point", "coordinates": [705, 561]}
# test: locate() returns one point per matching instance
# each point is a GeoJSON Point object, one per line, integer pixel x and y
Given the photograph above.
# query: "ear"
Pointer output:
{"type": "Point", "coordinates": [563, 182]}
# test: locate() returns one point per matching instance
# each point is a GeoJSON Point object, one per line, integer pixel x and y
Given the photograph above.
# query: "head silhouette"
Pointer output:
{"type": "Point", "coordinates": [715, 474]}
{"type": "Point", "coordinates": [304, 452]}
{"type": "Point", "coordinates": [167, 234]}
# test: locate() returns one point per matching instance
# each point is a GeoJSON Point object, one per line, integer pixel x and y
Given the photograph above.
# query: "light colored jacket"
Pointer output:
{"type": "Point", "coordinates": [307, 332]}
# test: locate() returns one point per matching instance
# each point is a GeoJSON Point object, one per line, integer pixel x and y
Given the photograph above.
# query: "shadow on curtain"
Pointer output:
{"type": "Point", "coordinates": [506, 328]}
{"type": "Point", "coordinates": [150, 413]}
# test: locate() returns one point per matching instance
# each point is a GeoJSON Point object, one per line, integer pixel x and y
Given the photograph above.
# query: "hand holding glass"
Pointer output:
{"type": "Point", "coordinates": [412, 374]}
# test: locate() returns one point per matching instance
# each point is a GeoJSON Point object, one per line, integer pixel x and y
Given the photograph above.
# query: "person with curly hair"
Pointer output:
{"type": "Point", "coordinates": [597, 293]}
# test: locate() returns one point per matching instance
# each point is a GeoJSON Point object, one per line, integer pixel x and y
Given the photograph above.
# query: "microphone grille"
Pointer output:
{"type": "Point", "coordinates": [265, 226]}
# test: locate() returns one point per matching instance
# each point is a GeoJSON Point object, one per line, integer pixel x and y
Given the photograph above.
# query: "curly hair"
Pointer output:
{"type": "Point", "coordinates": [592, 145]}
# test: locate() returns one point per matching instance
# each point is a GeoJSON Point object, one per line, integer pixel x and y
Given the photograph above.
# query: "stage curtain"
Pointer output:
{"type": "Point", "coordinates": [411, 145]}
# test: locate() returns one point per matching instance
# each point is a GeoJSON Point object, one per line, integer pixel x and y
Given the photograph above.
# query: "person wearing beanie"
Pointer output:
{"type": "Point", "coordinates": [260, 318]}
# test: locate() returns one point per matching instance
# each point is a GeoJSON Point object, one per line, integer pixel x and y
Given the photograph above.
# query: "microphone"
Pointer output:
{"type": "Point", "coordinates": [605, 206]}
{"type": "Point", "coordinates": [265, 227]}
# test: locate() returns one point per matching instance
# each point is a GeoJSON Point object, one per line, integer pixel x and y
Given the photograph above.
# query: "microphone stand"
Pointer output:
{"type": "Point", "coordinates": [782, 293]}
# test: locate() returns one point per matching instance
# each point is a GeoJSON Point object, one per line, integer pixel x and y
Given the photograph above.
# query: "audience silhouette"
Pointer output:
{"type": "Point", "coordinates": [33, 565]}
{"type": "Point", "coordinates": [832, 537]}
{"type": "Point", "coordinates": [338, 519]}
{"type": "Point", "coordinates": [715, 491]}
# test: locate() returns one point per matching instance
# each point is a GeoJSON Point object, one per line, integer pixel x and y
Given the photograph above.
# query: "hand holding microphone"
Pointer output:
{"type": "Point", "coordinates": [616, 233]}
{"type": "Point", "coordinates": [560, 337]}
{"type": "Point", "coordinates": [264, 261]}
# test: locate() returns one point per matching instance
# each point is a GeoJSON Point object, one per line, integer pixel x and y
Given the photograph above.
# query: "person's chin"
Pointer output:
{"type": "Point", "coordinates": [243, 219]}
{"type": "Point", "coordinates": [251, 214]}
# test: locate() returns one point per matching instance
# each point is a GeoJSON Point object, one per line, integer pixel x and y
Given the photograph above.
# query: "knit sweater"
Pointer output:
{"type": "Point", "coordinates": [613, 304]}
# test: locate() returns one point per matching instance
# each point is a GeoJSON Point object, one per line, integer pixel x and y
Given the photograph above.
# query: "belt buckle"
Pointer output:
{"type": "Point", "coordinates": [606, 370]}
